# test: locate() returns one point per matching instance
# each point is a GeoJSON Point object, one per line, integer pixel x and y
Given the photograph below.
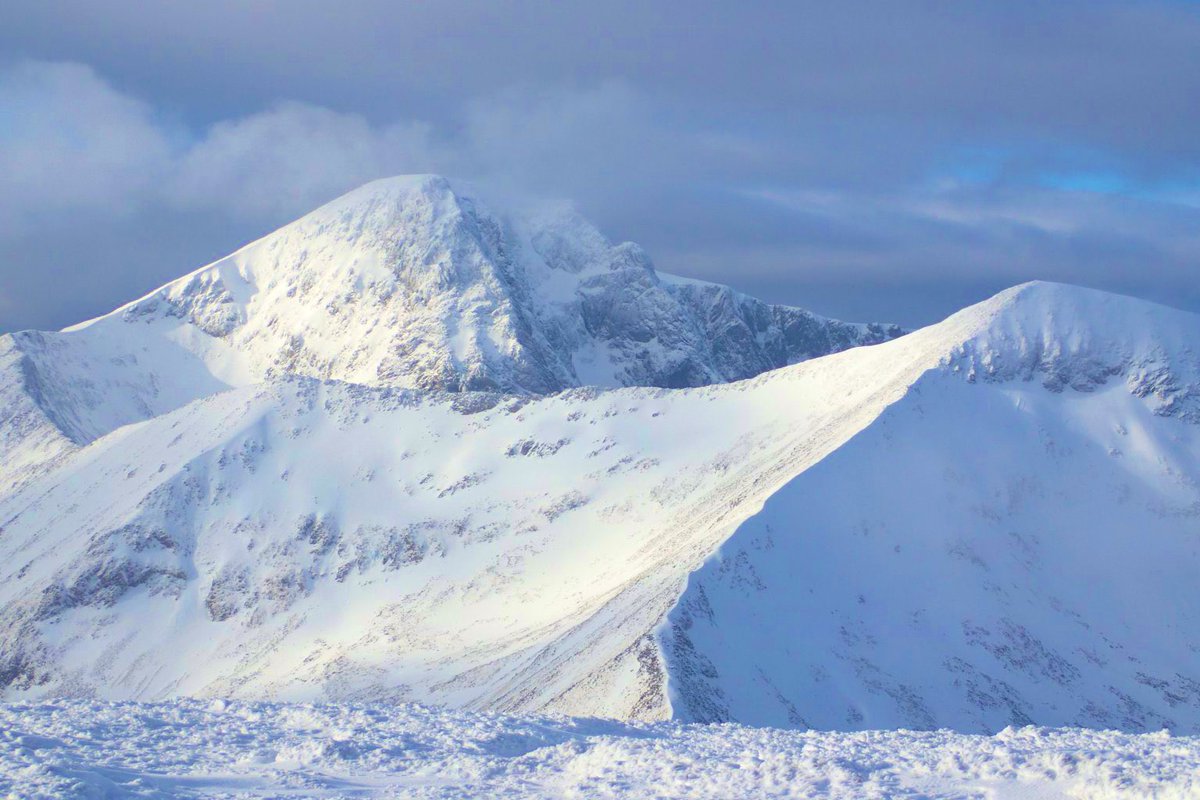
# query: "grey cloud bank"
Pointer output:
{"type": "Point", "coordinates": [867, 161]}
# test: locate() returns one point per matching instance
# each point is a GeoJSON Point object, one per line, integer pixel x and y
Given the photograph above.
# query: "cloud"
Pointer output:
{"type": "Point", "coordinates": [865, 208]}
{"type": "Point", "coordinates": [104, 196]}
{"type": "Point", "coordinates": [84, 146]}
{"type": "Point", "coordinates": [71, 143]}
{"type": "Point", "coordinates": [74, 143]}
{"type": "Point", "coordinates": [294, 156]}
{"type": "Point", "coordinates": [1112, 74]}
{"type": "Point", "coordinates": [917, 253]}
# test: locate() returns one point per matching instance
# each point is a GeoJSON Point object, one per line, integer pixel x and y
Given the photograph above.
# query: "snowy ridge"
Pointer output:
{"type": "Point", "coordinates": [991, 551]}
{"type": "Point", "coordinates": [272, 497]}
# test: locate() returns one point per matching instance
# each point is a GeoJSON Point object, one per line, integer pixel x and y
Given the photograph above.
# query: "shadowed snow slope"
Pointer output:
{"type": "Point", "coordinates": [990, 520]}
{"type": "Point", "coordinates": [1010, 547]}
{"type": "Point", "coordinates": [407, 282]}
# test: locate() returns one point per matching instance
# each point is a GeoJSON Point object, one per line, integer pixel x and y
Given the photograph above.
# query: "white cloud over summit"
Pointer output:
{"type": "Point", "coordinates": [77, 144]}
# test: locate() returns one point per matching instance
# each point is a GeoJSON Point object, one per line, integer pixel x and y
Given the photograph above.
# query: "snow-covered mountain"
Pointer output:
{"type": "Point", "coordinates": [988, 521]}
{"type": "Point", "coordinates": [1011, 541]}
{"type": "Point", "coordinates": [406, 282]}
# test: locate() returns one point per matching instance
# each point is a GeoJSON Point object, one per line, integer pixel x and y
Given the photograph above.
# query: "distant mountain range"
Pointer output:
{"type": "Point", "coordinates": [413, 448]}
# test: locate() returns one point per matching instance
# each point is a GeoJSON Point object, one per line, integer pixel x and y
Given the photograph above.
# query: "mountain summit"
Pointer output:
{"type": "Point", "coordinates": [415, 282]}
{"type": "Point", "coordinates": [408, 282]}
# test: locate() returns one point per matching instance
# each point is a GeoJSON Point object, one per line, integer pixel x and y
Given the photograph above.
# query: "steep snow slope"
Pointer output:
{"type": "Point", "coordinates": [406, 282]}
{"type": "Point", "coordinates": [307, 539]}
{"type": "Point", "coordinates": [1017, 546]}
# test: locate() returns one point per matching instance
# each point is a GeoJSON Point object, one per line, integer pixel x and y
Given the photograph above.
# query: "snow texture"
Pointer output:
{"type": "Point", "coordinates": [81, 749]}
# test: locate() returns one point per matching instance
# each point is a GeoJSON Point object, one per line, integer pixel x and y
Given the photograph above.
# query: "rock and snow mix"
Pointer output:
{"type": "Point", "coordinates": [81, 749]}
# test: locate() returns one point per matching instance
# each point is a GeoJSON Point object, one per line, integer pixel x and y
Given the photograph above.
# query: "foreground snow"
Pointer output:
{"type": "Point", "coordinates": [219, 749]}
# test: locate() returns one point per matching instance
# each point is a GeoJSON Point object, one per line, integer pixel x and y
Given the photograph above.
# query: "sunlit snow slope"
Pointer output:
{"type": "Point", "coordinates": [303, 539]}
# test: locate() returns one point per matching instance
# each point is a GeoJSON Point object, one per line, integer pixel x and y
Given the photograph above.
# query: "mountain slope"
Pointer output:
{"type": "Point", "coordinates": [1011, 547]}
{"type": "Point", "coordinates": [305, 539]}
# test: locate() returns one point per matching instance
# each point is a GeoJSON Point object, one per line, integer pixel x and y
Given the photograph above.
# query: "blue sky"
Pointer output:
{"type": "Point", "coordinates": [867, 160]}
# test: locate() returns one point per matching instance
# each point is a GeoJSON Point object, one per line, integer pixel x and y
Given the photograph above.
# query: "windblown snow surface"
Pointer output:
{"type": "Point", "coordinates": [81, 749]}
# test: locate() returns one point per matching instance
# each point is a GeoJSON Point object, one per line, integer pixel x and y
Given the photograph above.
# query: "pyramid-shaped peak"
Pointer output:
{"type": "Point", "coordinates": [445, 196]}
{"type": "Point", "coordinates": [398, 190]}
{"type": "Point", "coordinates": [414, 282]}
{"type": "Point", "coordinates": [390, 209]}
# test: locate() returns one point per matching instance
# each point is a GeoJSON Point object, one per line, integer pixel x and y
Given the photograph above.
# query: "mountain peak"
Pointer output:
{"type": "Point", "coordinates": [1076, 337]}
{"type": "Point", "coordinates": [385, 196]}
{"type": "Point", "coordinates": [1036, 296]}
{"type": "Point", "coordinates": [414, 282]}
